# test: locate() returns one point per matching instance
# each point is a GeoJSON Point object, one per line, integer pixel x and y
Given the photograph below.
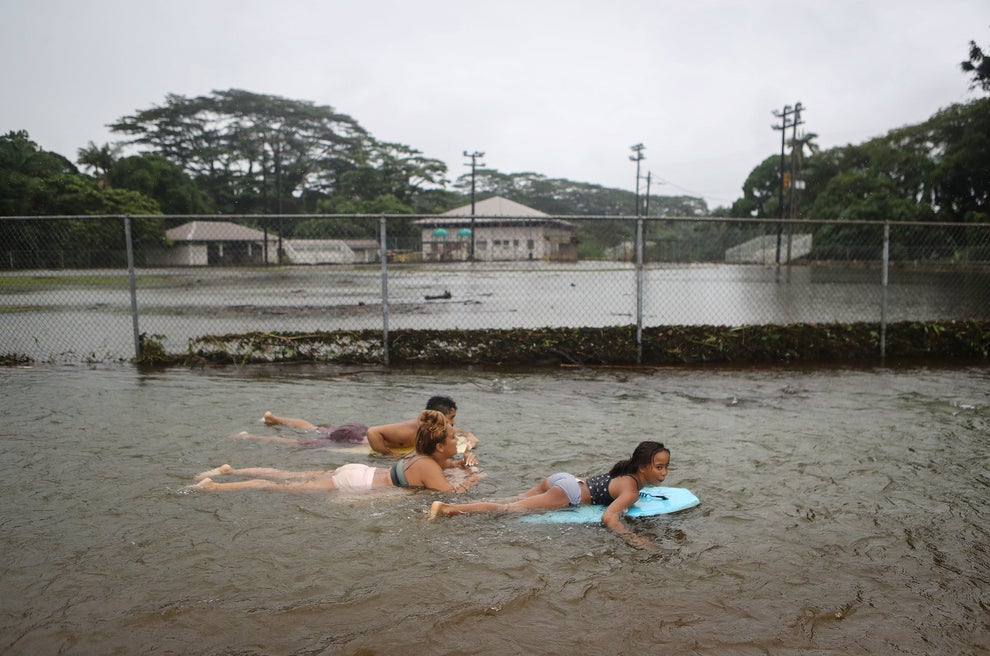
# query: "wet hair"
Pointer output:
{"type": "Point", "coordinates": [642, 455]}
{"type": "Point", "coordinates": [442, 403]}
{"type": "Point", "coordinates": [432, 431]}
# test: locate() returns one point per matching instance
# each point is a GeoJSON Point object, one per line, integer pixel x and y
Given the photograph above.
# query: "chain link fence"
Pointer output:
{"type": "Point", "coordinates": [64, 297]}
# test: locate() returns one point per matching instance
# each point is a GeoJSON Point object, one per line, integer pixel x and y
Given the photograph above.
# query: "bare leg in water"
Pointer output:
{"type": "Point", "coordinates": [268, 478]}
{"type": "Point", "coordinates": [244, 435]}
{"type": "Point", "coordinates": [537, 498]}
{"type": "Point", "coordinates": [270, 473]}
{"type": "Point", "coordinates": [315, 485]}
{"type": "Point", "coordinates": [273, 420]}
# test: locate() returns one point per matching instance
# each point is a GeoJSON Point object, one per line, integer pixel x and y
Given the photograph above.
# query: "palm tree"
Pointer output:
{"type": "Point", "coordinates": [99, 159]}
{"type": "Point", "coordinates": [798, 144]}
{"type": "Point", "coordinates": [978, 65]}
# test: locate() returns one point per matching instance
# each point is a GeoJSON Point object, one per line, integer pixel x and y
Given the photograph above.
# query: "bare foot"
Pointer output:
{"type": "Point", "coordinates": [437, 509]}
{"type": "Point", "coordinates": [217, 471]}
{"type": "Point", "coordinates": [205, 484]}
{"type": "Point", "coordinates": [269, 418]}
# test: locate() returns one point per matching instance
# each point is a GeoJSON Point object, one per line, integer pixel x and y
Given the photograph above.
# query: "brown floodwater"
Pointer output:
{"type": "Point", "coordinates": [844, 511]}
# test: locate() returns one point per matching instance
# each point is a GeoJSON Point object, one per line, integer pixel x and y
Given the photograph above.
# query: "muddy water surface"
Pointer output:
{"type": "Point", "coordinates": [843, 511]}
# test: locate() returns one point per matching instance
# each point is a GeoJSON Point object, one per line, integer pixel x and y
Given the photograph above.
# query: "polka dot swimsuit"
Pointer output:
{"type": "Point", "coordinates": [598, 486]}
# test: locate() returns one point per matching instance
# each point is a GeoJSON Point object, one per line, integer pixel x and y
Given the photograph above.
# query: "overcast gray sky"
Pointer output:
{"type": "Point", "coordinates": [558, 87]}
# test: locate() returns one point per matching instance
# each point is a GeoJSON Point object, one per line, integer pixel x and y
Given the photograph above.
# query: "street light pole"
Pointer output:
{"type": "Point", "coordinates": [474, 165]}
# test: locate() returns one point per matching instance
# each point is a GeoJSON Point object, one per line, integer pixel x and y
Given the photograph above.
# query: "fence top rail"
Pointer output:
{"type": "Point", "coordinates": [488, 217]}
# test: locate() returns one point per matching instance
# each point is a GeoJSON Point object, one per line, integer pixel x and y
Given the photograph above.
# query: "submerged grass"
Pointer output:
{"type": "Point", "coordinates": [552, 347]}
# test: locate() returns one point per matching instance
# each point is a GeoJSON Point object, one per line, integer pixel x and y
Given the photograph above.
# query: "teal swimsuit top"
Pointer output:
{"type": "Point", "coordinates": [398, 473]}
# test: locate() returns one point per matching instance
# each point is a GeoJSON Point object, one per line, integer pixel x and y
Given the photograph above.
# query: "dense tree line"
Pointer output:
{"type": "Point", "coordinates": [238, 152]}
{"type": "Point", "coordinates": [938, 170]}
{"type": "Point", "coordinates": [934, 171]}
{"type": "Point", "coordinates": [34, 182]}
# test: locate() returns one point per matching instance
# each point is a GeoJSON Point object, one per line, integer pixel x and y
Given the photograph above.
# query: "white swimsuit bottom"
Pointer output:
{"type": "Point", "coordinates": [354, 476]}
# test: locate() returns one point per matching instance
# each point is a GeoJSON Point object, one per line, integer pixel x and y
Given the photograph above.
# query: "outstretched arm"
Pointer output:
{"type": "Point", "coordinates": [430, 475]}
{"type": "Point", "coordinates": [467, 483]}
{"type": "Point", "coordinates": [612, 517]}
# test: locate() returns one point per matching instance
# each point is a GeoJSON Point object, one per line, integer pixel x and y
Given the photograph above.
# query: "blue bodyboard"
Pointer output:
{"type": "Point", "coordinates": [652, 501]}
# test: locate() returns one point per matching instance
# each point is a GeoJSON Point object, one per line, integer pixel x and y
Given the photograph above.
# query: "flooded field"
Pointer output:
{"type": "Point", "coordinates": [71, 316]}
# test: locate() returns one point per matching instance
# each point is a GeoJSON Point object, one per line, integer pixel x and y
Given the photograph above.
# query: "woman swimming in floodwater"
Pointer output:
{"type": "Point", "coordinates": [436, 444]}
{"type": "Point", "coordinates": [618, 489]}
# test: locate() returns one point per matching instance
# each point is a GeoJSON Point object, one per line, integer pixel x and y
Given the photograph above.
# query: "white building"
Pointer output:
{"type": "Point", "coordinates": [502, 230]}
{"type": "Point", "coordinates": [204, 243]}
{"type": "Point", "coordinates": [219, 243]}
{"type": "Point", "coordinates": [318, 251]}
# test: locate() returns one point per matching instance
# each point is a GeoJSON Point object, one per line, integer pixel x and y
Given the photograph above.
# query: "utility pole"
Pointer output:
{"type": "Point", "coordinates": [790, 118]}
{"type": "Point", "coordinates": [646, 205]}
{"type": "Point", "coordinates": [278, 193]}
{"type": "Point", "coordinates": [475, 156]}
{"type": "Point", "coordinates": [638, 157]}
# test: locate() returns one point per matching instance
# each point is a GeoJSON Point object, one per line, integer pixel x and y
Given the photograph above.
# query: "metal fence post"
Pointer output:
{"type": "Point", "coordinates": [883, 290]}
{"type": "Point", "coordinates": [639, 291]}
{"type": "Point", "coordinates": [133, 284]}
{"type": "Point", "coordinates": [384, 258]}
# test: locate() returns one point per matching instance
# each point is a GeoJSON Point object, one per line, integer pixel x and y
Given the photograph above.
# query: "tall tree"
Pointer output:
{"type": "Point", "coordinates": [801, 143]}
{"type": "Point", "coordinates": [978, 65]}
{"type": "Point", "coordinates": [101, 242]}
{"type": "Point", "coordinates": [760, 198]}
{"type": "Point", "coordinates": [157, 178]}
{"type": "Point", "coordinates": [961, 173]}
{"type": "Point", "coordinates": [25, 190]}
{"type": "Point", "coordinates": [252, 152]}
{"type": "Point", "coordinates": [24, 168]}
{"type": "Point", "coordinates": [37, 183]}
{"type": "Point", "coordinates": [392, 170]}
{"type": "Point", "coordinates": [19, 154]}
{"type": "Point", "coordinates": [98, 159]}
